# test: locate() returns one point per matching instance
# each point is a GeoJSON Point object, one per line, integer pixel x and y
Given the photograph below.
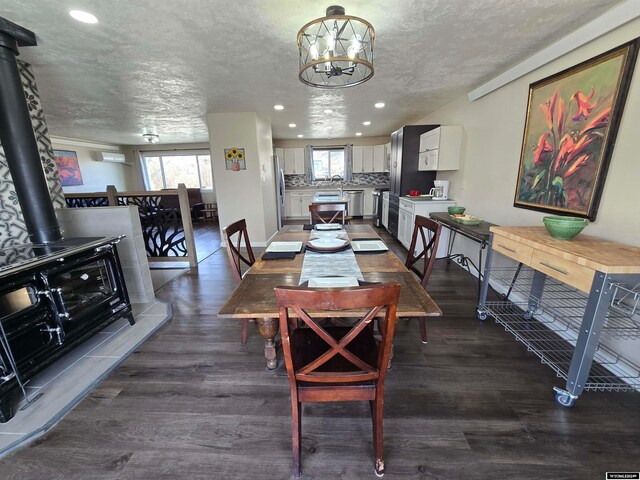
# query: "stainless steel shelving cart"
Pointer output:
{"type": "Point", "coordinates": [562, 300]}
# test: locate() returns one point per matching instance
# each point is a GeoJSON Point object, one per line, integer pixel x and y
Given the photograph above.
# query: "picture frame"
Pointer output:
{"type": "Point", "coordinates": [235, 159]}
{"type": "Point", "coordinates": [570, 130]}
{"type": "Point", "coordinates": [68, 168]}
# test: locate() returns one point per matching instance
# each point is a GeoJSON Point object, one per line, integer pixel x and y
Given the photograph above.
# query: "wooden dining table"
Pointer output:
{"type": "Point", "coordinates": [254, 296]}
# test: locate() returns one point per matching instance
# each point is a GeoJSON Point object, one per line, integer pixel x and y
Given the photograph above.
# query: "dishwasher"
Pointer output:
{"type": "Point", "coordinates": [356, 202]}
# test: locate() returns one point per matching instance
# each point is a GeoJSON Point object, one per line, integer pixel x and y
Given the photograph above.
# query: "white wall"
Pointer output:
{"type": "Point", "coordinates": [493, 128]}
{"type": "Point", "coordinates": [244, 194]}
{"type": "Point", "coordinates": [97, 175]}
{"type": "Point", "coordinates": [492, 139]}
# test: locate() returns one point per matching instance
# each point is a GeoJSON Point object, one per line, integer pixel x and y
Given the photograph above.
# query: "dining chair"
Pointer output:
{"type": "Point", "coordinates": [430, 235]}
{"type": "Point", "coordinates": [236, 258]}
{"type": "Point", "coordinates": [337, 363]}
{"type": "Point", "coordinates": [328, 213]}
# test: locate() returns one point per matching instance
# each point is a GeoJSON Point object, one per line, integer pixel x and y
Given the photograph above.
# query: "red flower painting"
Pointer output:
{"type": "Point", "coordinates": [568, 130]}
{"type": "Point", "coordinates": [68, 168]}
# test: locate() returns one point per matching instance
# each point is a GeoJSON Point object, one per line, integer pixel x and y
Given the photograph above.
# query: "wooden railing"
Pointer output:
{"type": "Point", "coordinates": [165, 218]}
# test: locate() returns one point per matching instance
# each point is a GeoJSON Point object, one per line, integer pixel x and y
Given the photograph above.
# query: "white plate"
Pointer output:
{"type": "Point", "coordinates": [328, 226]}
{"type": "Point", "coordinates": [331, 234]}
{"type": "Point", "coordinates": [330, 282]}
{"type": "Point", "coordinates": [368, 246]}
{"type": "Point", "coordinates": [327, 242]}
{"type": "Point", "coordinates": [284, 247]}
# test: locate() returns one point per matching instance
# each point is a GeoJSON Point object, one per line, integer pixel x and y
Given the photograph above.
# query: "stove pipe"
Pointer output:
{"type": "Point", "coordinates": [19, 142]}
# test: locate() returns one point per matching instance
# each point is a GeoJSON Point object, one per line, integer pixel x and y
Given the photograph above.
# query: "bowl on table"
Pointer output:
{"type": "Point", "coordinates": [564, 228]}
{"type": "Point", "coordinates": [455, 210]}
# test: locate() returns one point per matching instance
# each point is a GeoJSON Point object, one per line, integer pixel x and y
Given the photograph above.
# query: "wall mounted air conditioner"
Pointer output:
{"type": "Point", "coordinates": [111, 157]}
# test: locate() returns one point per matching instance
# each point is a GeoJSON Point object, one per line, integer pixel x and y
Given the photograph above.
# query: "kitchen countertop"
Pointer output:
{"type": "Point", "coordinates": [349, 186]}
{"type": "Point", "coordinates": [424, 199]}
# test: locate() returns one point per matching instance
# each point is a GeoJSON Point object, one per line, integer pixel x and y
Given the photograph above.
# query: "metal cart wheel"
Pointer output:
{"type": "Point", "coordinates": [528, 315]}
{"type": "Point", "coordinates": [481, 314]}
{"type": "Point", "coordinates": [564, 400]}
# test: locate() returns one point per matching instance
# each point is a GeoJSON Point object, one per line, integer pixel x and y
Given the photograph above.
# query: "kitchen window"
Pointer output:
{"type": "Point", "coordinates": [168, 169]}
{"type": "Point", "coordinates": [328, 162]}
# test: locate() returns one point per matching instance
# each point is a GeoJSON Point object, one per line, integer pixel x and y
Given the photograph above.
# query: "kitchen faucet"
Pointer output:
{"type": "Point", "coordinates": [341, 183]}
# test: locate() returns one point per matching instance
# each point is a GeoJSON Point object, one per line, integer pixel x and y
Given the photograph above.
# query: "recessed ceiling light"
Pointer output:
{"type": "Point", "coordinates": [367, 123]}
{"type": "Point", "coordinates": [292, 125]}
{"type": "Point", "coordinates": [328, 110]}
{"type": "Point", "coordinates": [379, 105]}
{"type": "Point", "coordinates": [329, 127]}
{"type": "Point", "coordinates": [300, 135]}
{"type": "Point", "coordinates": [358, 134]}
{"type": "Point", "coordinates": [84, 17]}
{"type": "Point", "coordinates": [278, 107]}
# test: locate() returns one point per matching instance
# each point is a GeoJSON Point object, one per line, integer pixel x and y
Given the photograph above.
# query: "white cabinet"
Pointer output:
{"type": "Point", "coordinates": [279, 152]}
{"type": "Point", "coordinates": [387, 157]}
{"type": "Point", "coordinates": [406, 220]}
{"type": "Point", "coordinates": [367, 159]}
{"type": "Point", "coordinates": [440, 149]}
{"type": "Point", "coordinates": [368, 202]}
{"type": "Point", "coordinates": [358, 155]}
{"type": "Point", "coordinates": [385, 209]}
{"type": "Point", "coordinates": [405, 227]}
{"type": "Point", "coordinates": [378, 158]}
{"type": "Point", "coordinates": [293, 161]}
{"type": "Point", "coordinates": [296, 204]}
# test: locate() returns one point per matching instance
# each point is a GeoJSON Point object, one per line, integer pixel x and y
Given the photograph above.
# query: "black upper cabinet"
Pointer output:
{"type": "Point", "coordinates": [403, 173]}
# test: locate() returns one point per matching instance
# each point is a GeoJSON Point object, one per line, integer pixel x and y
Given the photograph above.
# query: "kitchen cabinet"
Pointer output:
{"type": "Point", "coordinates": [385, 209]}
{"type": "Point", "coordinates": [440, 149]}
{"type": "Point", "coordinates": [293, 161]}
{"type": "Point", "coordinates": [387, 156]}
{"type": "Point", "coordinates": [358, 157]}
{"type": "Point", "coordinates": [409, 208]}
{"type": "Point", "coordinates": [368, 202]}
{"type": "Point", "coordinates": [279, 152]}
{"type": "Point", "coordinates": [379, 158]}
{"type": "Point", "coordinates": [367, 159]}
{"type": "Point", "coordinates": [297, 204]}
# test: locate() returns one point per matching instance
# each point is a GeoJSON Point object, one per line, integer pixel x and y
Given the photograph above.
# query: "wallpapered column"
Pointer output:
{"type": "Point", "coordinates": [12, 227]}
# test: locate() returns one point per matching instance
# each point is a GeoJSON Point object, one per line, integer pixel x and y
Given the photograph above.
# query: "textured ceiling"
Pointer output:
{"type": "Point", "coordinates": [163, 65]}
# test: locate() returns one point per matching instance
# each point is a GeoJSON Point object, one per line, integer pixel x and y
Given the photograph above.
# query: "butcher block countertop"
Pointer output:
{"type": "Point", "coordinates": [596, 253]}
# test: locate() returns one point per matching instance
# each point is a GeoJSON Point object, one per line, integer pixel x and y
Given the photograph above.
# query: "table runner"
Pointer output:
{"type": "Point", "coordinates": [339, 264]}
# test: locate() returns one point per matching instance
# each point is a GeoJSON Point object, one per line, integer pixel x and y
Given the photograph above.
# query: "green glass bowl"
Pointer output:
{"type": "Point", "coordinates": [564, 228]}
{"type": "Point", "coordinates": [455, 210]}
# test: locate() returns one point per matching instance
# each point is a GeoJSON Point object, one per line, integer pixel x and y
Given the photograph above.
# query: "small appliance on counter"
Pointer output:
{"type": "Point", "coordinates": [441, 190]}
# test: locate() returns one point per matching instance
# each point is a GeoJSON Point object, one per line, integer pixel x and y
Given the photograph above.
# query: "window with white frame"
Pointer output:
{"type": "Point", "coordinates": [327, 162]}
{"type": "Point", "coordinates": [168, 169]}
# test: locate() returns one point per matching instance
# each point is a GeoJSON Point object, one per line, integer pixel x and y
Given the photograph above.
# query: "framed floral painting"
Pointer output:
{"type": "Point", "coordinates": [68, 167]}
{"type": "Point", "coordinates": [569, 134]}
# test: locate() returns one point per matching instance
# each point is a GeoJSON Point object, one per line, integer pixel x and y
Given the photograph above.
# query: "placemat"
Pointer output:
{"type": "Point", "coordinates": [278, 255]}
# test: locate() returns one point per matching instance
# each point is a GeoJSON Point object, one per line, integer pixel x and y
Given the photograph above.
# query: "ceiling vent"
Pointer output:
{"type": "Point", "coordinates": [111, 157]}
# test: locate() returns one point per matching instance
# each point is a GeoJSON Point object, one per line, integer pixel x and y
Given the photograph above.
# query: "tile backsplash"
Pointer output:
{"type": "Point", "coordinates": [358, 179]}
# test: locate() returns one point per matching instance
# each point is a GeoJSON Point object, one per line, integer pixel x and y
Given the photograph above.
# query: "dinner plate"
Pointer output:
{"type": "Point", "coordinates": [329, 226]}
{"type": "Point", "coordinates": [332, 282]}
{"type": "Point", "coordinates": [368, 246]}
{"type": "Point", "coordinates": [330, 234]}
{"type": "Point", "coordinates": [284, 247]}
{"type": "Point", "coordinates": [327, 245]}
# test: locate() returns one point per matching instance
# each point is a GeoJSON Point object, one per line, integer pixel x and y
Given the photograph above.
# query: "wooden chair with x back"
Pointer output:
{"type": "Point", "coordinates": [429, 232]}
{"type": "Point", "coordinates": [235, 234]}
{"type": "Point", "coordinates": [335, 364]}
{"type": "Point", "coordinates": [328, 213]}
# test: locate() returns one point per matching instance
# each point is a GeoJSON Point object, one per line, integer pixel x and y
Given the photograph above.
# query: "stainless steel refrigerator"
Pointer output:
{"type": "Point", "coordinates": [280, 188]}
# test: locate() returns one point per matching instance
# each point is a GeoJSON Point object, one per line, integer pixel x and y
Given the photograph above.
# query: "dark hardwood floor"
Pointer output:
{"type": "Point", "coordinates": [193, 403]}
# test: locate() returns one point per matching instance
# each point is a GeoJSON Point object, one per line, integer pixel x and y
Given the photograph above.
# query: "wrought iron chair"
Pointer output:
{"type": "Point", "coordinates": [328, 213]}
{"type": "Point", "coordinates": [236, 259]}
{"type": "Point", "coordinates": [430, 236]}
{"type": "Point", "coordinates": [329, 364]}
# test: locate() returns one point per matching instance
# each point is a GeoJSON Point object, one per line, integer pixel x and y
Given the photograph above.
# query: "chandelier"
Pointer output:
{"type": "Point", "coordinates": [336, 51]}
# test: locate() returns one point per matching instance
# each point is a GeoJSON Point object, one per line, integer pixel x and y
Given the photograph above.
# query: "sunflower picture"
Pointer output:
{"type": "Point", "coordinates": [234, 159]}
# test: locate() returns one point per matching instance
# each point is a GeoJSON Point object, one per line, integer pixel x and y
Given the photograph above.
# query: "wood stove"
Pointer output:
{"type": "Point", "coordinates": [53, 297]}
